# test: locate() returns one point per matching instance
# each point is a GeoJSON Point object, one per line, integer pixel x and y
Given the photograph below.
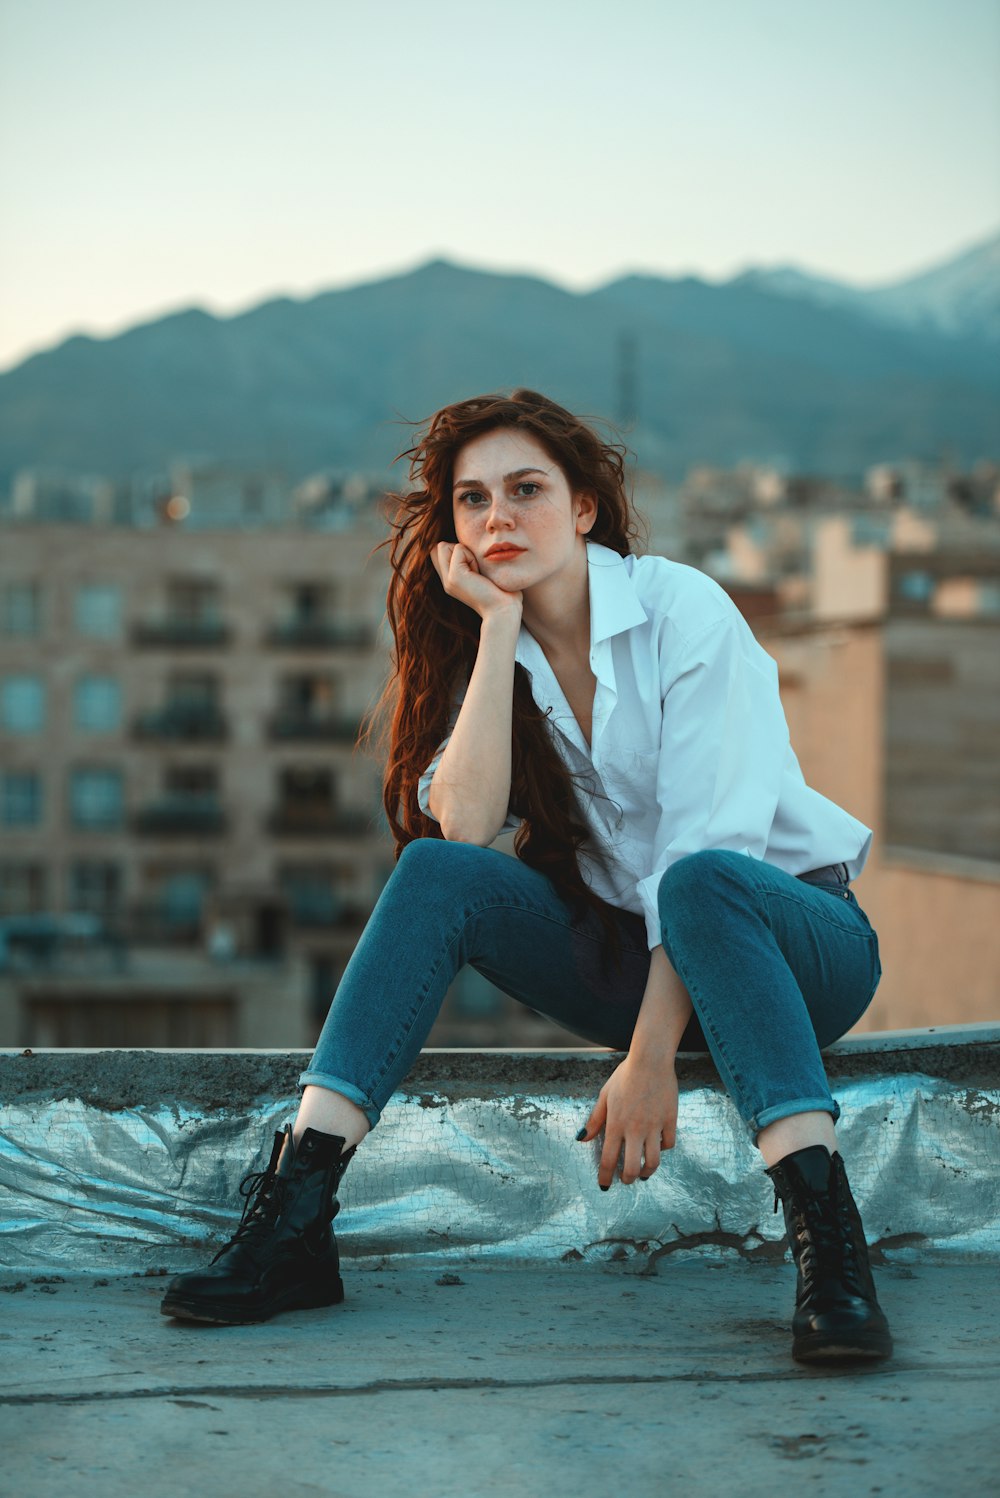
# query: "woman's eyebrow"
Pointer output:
{"type": "Point", "coordinates": [516, 474]}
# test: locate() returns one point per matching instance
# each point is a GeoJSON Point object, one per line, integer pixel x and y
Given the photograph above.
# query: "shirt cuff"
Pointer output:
{"type": "Point", "coordinates": [647, 891]}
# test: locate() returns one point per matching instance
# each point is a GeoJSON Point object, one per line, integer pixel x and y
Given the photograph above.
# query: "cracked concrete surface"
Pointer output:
{"type": "Point", "coordinates": [499, 1380]}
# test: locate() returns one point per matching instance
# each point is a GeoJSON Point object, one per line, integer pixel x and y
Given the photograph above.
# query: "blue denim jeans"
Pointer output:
{"type": "Point", "coordinates": [776, 968]}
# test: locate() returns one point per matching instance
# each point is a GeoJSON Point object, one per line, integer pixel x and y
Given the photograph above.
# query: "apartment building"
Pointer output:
{"type": "Point", "coordinates": [178, 716]}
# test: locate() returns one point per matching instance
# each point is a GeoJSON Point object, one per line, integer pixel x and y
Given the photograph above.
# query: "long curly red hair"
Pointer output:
{"type": "Point", "coordinates": [437, 636]}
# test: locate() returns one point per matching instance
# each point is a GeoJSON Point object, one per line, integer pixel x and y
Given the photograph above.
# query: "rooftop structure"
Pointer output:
{"type": "Point", "coordinates": [508, 1327]}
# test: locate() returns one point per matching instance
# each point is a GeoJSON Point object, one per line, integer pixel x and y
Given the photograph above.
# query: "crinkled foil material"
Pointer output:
{"type": "Point", "coordinates": [500, 1177]}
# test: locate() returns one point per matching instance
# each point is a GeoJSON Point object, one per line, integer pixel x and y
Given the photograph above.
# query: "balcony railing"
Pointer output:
{"type": "Point", "coordinates": [152, 922]}
{"type": "Point", "coordinates": [179, 814]}
{"type": "Point", "coordinates": [319, 821]}
{"type": "Point", "coordinates": [323, 911]}
{"type": "Point", "coordinates": [181, 633]}
{"type": "Point", "coordinates": [319, 634]}
{"type": "Point", "coordinates": [181, 720]}
{"type": "Point", "coordinates": [295, 723]}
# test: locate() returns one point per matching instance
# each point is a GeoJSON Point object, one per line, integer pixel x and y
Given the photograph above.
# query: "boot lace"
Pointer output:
{"type": "Point", "coordinates": [265, 1200]}
{"type": "Point", "coordinates": [825, 1235]}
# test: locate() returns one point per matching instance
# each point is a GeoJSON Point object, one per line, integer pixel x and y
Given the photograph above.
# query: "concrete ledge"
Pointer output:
{"type": "Point", "coordinates": [132, 1159]}
{"type": "Point", "coordinates": [127, 1078]}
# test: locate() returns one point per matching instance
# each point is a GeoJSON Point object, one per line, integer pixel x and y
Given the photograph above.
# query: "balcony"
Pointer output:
{"type": "Point", "coordinates": [154, 922]}
{"type": "Point", "coordinates": [322, 910]}
{"type": "Point", "coordinates": [181, 634]}
{"type": "Point", "coordinates": [195, 722]}
{"type": "Point", "coordinates": [298, 724]}
{"type": "Point", "coordinates": [319, 821]}
{"type": "Point", "coordinates": [181, 815]}
{"type": "Point", "coordinates": [319, 634]}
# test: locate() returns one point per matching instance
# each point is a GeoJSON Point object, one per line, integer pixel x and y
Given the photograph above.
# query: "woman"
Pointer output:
{"type": "Point", "coordinates": [677, 884]}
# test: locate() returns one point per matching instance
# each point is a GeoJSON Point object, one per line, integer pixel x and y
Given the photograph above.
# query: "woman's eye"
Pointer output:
{"type": "Point", "coordinates": [471, 496]}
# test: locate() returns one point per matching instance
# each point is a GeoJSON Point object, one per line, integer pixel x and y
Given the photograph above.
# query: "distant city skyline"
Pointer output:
{"type": "Point", "coordinates": [221, 154]}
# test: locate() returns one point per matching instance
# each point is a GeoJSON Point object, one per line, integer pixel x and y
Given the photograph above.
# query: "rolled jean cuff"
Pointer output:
{"type": "Point", "coordinates": [370, 1109]}
{"type": "Point", "coordinates": [794, 1105]}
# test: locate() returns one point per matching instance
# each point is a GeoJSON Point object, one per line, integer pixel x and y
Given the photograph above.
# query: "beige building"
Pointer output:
{"type": "Point", "coordinates": [897, 718]}
{"type": "Point", "coordinates": [178, 714]}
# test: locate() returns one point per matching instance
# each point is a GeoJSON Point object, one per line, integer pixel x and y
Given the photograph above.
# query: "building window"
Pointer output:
{"type": "Point", "coordinates": [21, 798]}
{"type": "Point", "coordinates": [193, 601]}
{"type": "Point", "coordinates": [97, 704]}
{"type": "Point", "coordinates": [193, 689]}
{"type": "Point", "coordinates": [870, 530]}
{"type": "Point", "coordinates": [22, 704]}
{"type": "Point", "coordinates": [99, 610]}
{"type": "Point", "coordinates": [311, 893]}
{"type": "Point", "coordinates": [915, 587]}
{"type": "Point", "coordinates": [191, 780]}
{"type": "Point", "coordinates": [22, 609]}
{"type": "Point", "coordinates": [22, 888]}
{"type": "Point", "coordinates": [96, 798]}
{"type": "Point", "coordinates": [182, 894]}
{"type": "Point", "coordinates": [95, 886]}
{"type": "Point", "coordinates": [324, 973]}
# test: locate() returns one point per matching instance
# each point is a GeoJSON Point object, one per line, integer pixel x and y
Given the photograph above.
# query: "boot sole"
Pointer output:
{"type": "Point", "coordinates": [222, 1315]}
{"type": "Point", "coordinates": [820, 1349]}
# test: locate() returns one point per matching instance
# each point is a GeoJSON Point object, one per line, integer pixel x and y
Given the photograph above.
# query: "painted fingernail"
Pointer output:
{"type": "Point", "coordinates": [604, 1188]}
{"type": "Point", "coordinates": [582, 1132]}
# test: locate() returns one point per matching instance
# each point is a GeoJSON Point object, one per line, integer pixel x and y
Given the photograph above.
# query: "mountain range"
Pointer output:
{"type": "Point", "coordinates": [773, 366]}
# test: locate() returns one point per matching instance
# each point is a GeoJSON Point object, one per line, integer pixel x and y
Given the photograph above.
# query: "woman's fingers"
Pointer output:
{"type": "Point", "coordinates": [595, 1122]}
{"type": "Point", "coordinates": [609, 1159]}
{"type": "Point", "coordinates": [652, 1162]}
{"type": "Point", "coordinates": [632, 1164]}
{"type": "Point", "coordinates": [441, 557]}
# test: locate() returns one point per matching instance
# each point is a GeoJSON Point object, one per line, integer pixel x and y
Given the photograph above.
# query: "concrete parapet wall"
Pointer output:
{"type": "Point", "coordinates": [132, 1159]}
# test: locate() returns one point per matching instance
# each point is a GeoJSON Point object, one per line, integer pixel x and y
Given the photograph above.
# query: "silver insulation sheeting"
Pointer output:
{"type": "Point", "coordinates": [496, 1176]}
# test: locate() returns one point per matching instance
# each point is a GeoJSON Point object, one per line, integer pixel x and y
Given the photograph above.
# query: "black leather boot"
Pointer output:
{"type": "Point", "coordinates": [837, 1315]}
{"type": "Point", "coordinates": [283, 1255]}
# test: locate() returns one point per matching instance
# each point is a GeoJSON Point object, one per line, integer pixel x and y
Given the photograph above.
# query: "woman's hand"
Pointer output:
{"type": "Point", "coordinates": [637, 1107]}
{"type": "Point", "coordinates": [460, 577]}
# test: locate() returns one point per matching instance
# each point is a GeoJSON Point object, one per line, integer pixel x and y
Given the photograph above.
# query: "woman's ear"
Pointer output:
{"type": "Point", "coordinates": [586, 511]}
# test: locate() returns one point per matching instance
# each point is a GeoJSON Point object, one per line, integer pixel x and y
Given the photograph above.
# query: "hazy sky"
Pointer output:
{"type": "Point", "coordinates": [216, 152]}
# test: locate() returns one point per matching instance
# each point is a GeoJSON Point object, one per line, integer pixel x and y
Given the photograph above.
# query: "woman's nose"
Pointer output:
{"type": "Point", "coordinates": [499, 514]}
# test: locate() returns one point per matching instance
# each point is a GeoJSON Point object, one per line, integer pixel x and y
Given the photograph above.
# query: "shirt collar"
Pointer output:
{"type": "Point", "coordinates": [614, 603]}
{"type": "Point", "coordinates": [614, 607]}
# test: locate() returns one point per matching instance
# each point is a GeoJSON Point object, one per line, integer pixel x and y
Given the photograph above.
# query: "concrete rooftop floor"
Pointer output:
{"type": "Point", "coordinates": [517, 1380]}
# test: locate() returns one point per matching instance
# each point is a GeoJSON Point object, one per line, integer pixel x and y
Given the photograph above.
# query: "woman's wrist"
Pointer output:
{"type": "Point", "coordinates": [503, 616]}
{"type": "Point", "coordinates": [663, 1015]}
{"type": "Point", "coordinates": [652, 1053]}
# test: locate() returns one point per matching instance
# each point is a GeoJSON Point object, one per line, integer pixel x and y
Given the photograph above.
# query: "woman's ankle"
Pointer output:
{"type": "Point", "coordinates": [330, 1112]}
{"type": "Point", "coordinates": [797, 1131]}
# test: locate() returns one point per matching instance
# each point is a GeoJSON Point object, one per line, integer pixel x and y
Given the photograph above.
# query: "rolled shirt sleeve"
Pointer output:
{"type": "Point", "coordinates": [724, 745]}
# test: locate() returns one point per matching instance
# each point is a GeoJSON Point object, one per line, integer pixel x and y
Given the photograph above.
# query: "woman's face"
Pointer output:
{"type": "Point", "coordinates": [509, 493]}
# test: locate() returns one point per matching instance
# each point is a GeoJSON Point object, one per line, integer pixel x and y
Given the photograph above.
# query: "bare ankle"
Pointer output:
{"type": "Point", "coordinates": [797, 1131]}
{"type": "Point", "coordinates": [330, 1113]}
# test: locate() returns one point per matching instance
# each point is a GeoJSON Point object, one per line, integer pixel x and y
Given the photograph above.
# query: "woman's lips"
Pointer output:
{"type": "Point", "coordinates": [504, 554]}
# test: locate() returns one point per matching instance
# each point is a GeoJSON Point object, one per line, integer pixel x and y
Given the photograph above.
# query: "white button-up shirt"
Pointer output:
{"type": "Point", "coordinates": [689, 745]}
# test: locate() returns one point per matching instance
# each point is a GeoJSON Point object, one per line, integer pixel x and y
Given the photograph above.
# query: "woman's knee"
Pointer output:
{"type": "Point", "coordinates": [697, 888]}
{"type": "Point", "coordinates": [438, 848]}
{"type": "Point", "coordinates": [435, 860]}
